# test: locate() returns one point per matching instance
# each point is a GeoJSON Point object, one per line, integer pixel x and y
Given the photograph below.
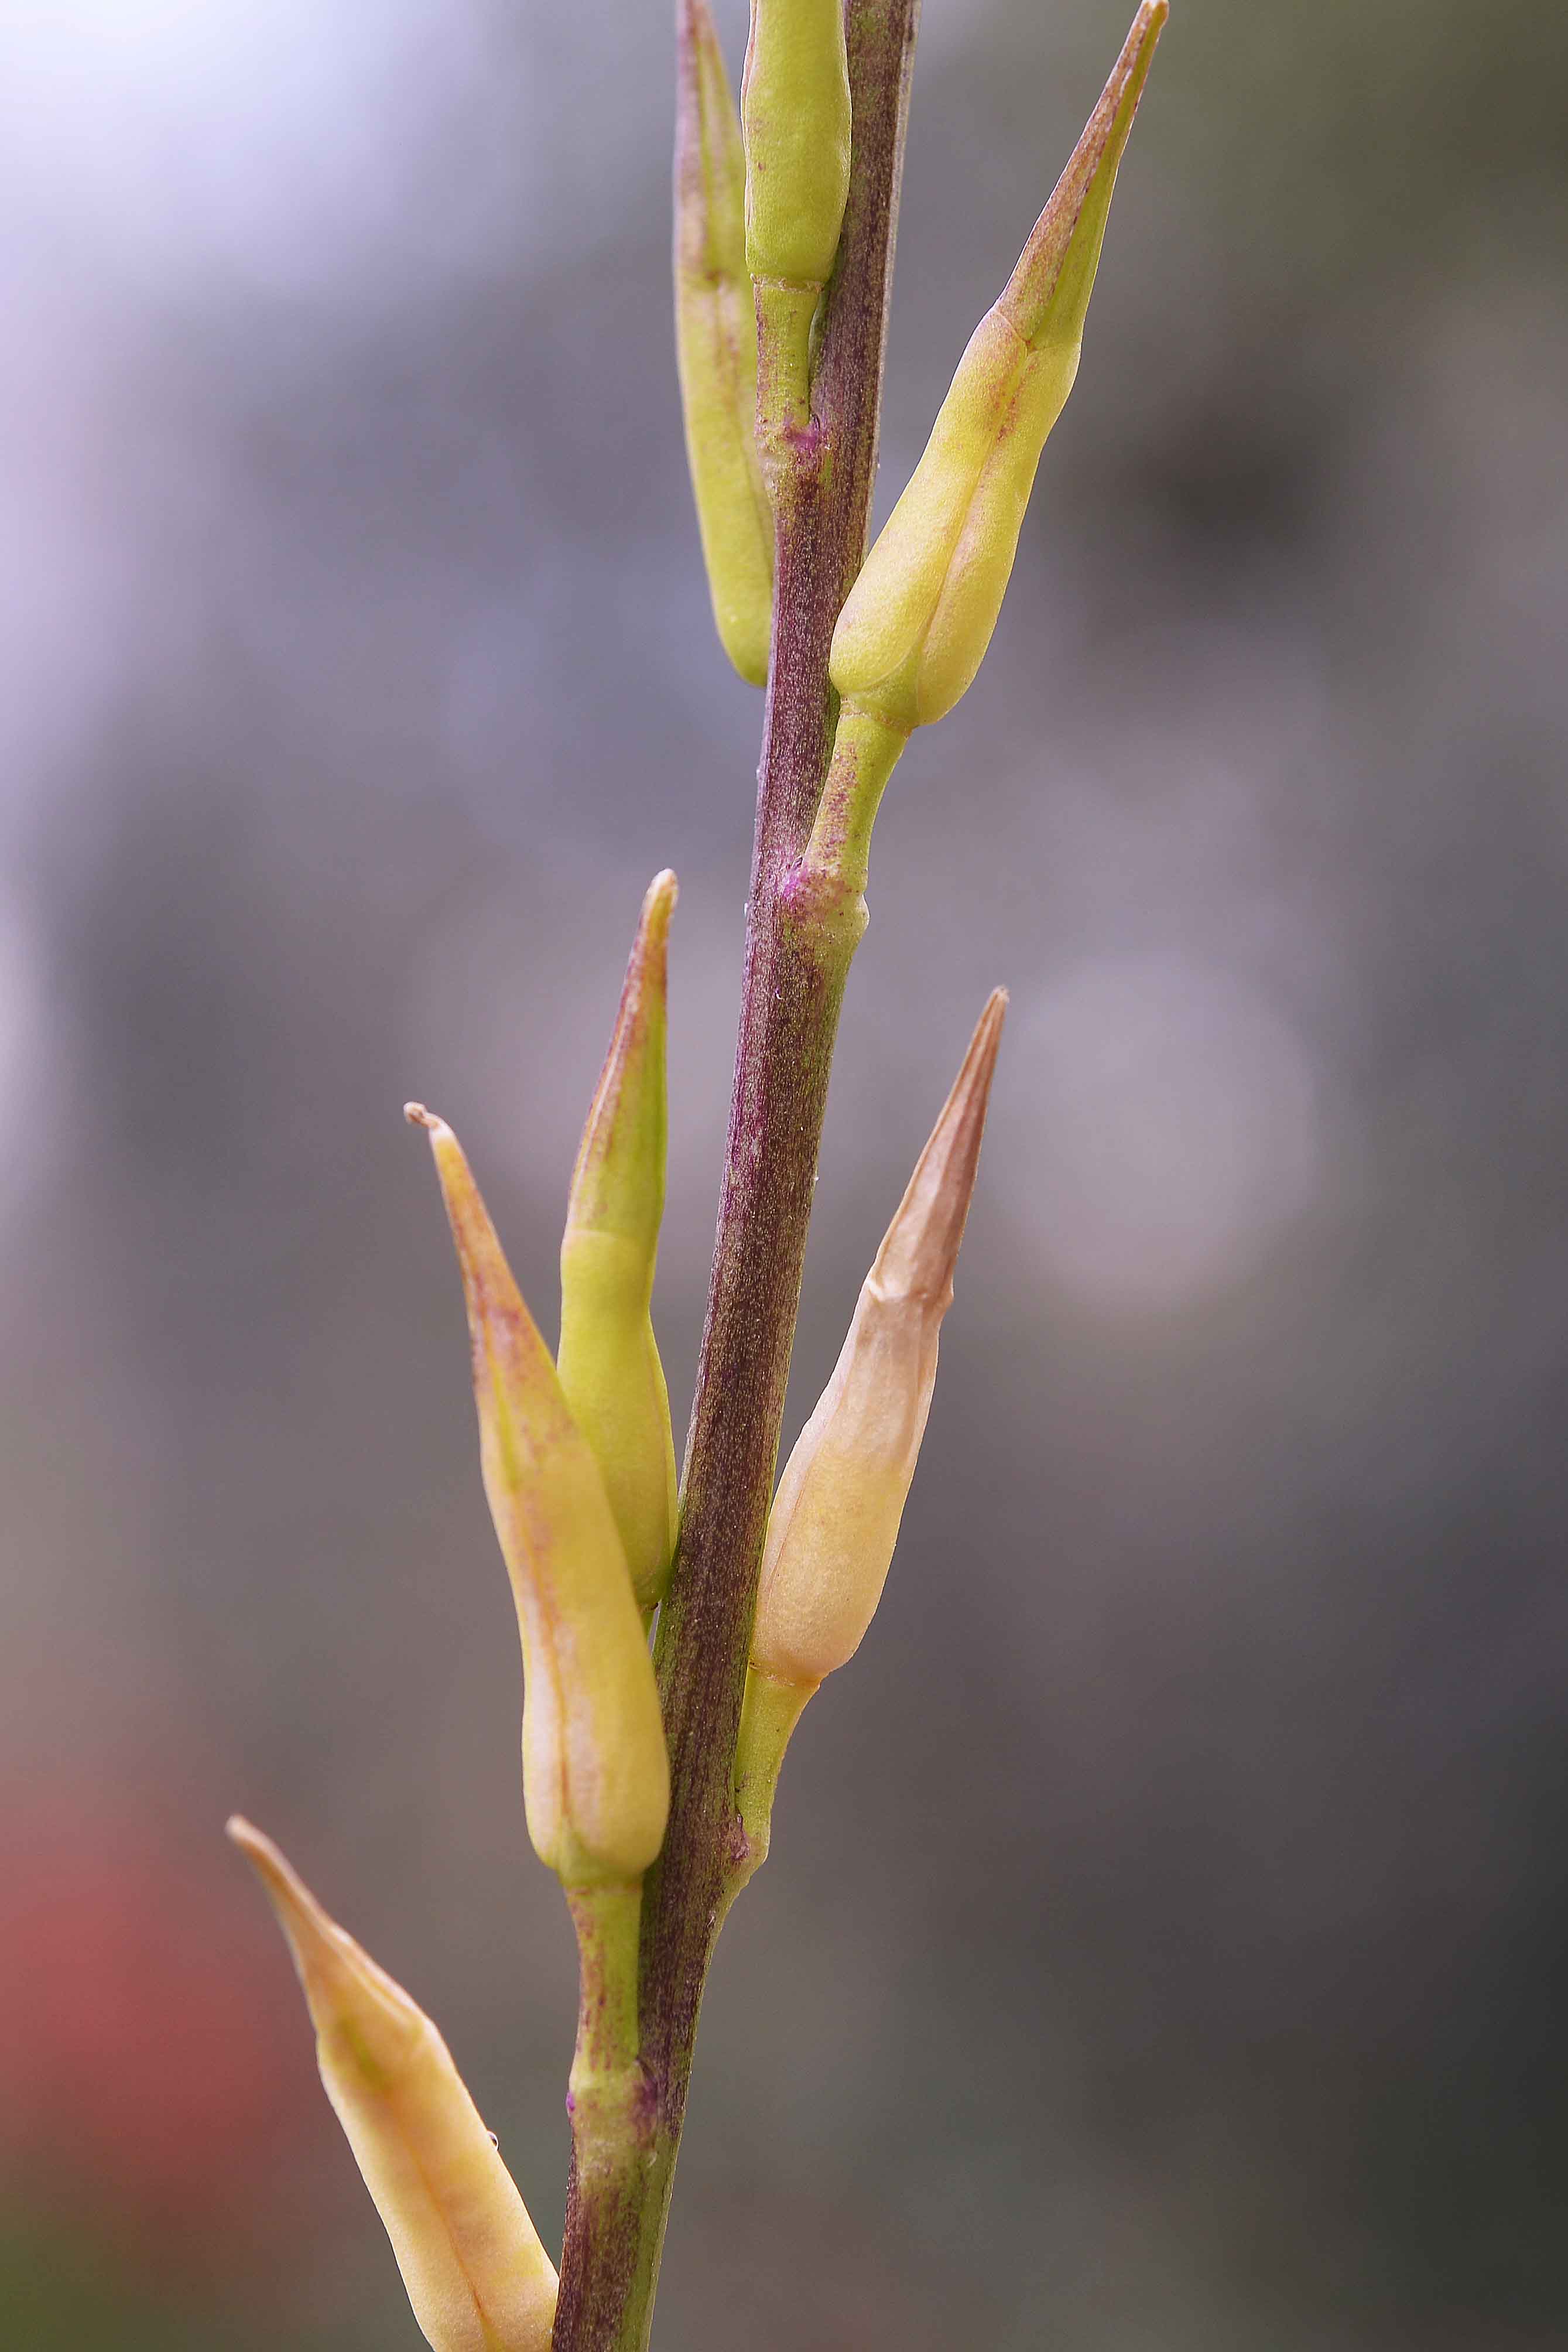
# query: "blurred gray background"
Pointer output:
{"type": "Point", "coordinates": [1165, 1941]}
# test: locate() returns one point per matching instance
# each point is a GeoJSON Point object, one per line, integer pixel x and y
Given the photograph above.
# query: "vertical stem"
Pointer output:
{"type": "Point", "coordinates": [793, 983]}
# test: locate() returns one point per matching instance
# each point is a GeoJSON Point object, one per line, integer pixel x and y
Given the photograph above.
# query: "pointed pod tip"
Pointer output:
{"type": "Point", "coordinates": [267, 1860]}
{"type": "Point", "coordinates": [920, 1248]}
{"type": "Point", "coordinates": [695, 32]}
{"type": "Point", "coordinates": [450, 1161]}
{"type": "Point", "coordinates": [987, 1040]}
{"type": "Point", "coordinates": [339, 1976]}
{"type": "Point", "coordinates": [659, 902]}
{"type": "Point", "coordinates": [253, 1842]}
{"type": "Point", "coordinates": [1138, 49]}
{"type": "Point", "coordinates": [300, 1915]}
{"type": "Point", "coordinates": [618, 1183]}
{"type": "Point", "coordinates": [1143, 33]}
{"type": "Point", "coordinates": [972, 1084]}
{"type": "Point", "coordinates": [1049, 288]}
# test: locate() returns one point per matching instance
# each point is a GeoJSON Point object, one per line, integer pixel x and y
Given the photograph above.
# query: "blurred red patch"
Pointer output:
{"type": "Point", "coordinates": [150, 2055]}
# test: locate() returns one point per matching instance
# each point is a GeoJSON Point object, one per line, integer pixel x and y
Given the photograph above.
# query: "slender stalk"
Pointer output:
{"type": "Point", "coordinates": [609, 2102]}
{"type": "Point", "coordinates": [768, 1718]}
{"type": "Point", "coordinates": [867, 750]}
{"type": "Point", "coordinates": [797, 957]}
{"type": "Point", "coordinates": [606, 2102]}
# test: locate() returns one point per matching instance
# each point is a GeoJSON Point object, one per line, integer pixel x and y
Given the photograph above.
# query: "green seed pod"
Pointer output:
{"type": "Point", "coordinates": [918, 621]}
{"type": "Point", "coordinates": [795, 116]}
{"type": "Point", "coordinates": [476, 2274]}
{"type": "Point", "coordinates": [715, 347]}
{"type": "Point", "coordinates": [596, 1776]}
{"type": "Point", "coordinates": [608, 1358]}
{"type": "Point", "coordinates": [835, 1519]}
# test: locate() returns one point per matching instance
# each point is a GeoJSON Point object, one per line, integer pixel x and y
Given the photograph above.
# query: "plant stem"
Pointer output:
{"type": "Point", "coordinates": [796, 957]}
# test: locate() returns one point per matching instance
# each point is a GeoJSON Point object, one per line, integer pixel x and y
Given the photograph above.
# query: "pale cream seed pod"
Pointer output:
{"type": "Point", "coordinates": [835, 1517]}
{"type": "Point", "coordinates": [476, 2274]}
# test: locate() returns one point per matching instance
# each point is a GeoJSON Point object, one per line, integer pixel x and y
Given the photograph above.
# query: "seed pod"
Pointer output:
{"type": "Point", "coordinates": [608, 1358]}
{"type": "Point", "coordinates": [919, 618]}
{"type": "Point", "coordinates": [716, 346]}
{"type": "Point", "coordinates": [595, 1772]}
{"type": "Point", "coordinates": [795, 119]}
{"type": "Point", "coordinates": [476, 2274]}
{"type": "Point", "coordinates": [835, 1517]}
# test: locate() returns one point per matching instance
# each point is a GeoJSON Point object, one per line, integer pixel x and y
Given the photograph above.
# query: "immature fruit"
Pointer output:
{"type": "Point", "coordinates": [919, 620]}
{"type": "Point", "coordinates": [608, 1358]}
{"type": "Point", "coordinates": [835, 1519]}
{"type": "Point", "coordinates": [476, 2274]}
{"type": "Point", "coordinates": [596, 1778]}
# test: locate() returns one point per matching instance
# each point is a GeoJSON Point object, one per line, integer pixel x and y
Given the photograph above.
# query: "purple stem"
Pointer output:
{"type": "Point", "coordinates": [794, 969]}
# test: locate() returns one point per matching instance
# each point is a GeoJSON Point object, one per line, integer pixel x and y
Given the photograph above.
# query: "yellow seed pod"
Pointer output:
{"type": "Point", "coordinates": [595, 1772]}
{"type": "Point", "coordinates": [715, 347]}
{"type": "Point", "coordinates": [835, 1519]}
{"type": "Point", "coordinates": [608, 1358]}
{"type": "Point", "coordinates": [476, 2274]}
{"type": "Point", "coordinates": [879, 642]}
{"type": "Point", "coordinates": [795, 119]}
{"type": "Point", "coordinates": [919, 618]}
{"type": "Point", "coordinates": [970, 597]}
